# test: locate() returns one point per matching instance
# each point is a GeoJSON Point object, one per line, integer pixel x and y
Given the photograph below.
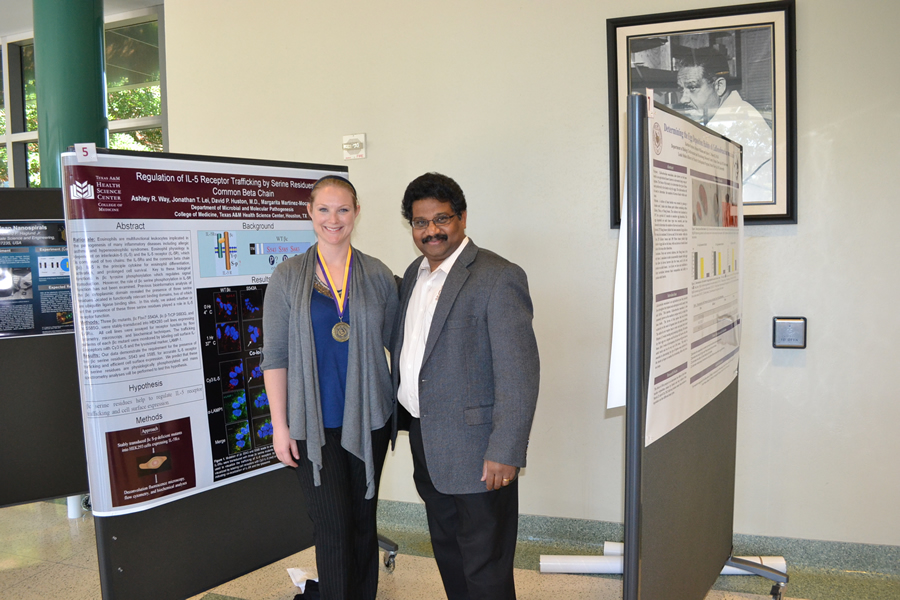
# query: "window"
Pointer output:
{"type": "Point", "coordinates": [134, 92]}
{"type": "Point", "coordinates": [135, 97]}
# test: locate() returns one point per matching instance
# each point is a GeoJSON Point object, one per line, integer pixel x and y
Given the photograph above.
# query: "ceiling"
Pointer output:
{"type": "Point", "coordinates": [16, 16]}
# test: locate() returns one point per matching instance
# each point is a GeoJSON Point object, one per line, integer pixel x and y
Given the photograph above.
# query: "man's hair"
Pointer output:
{"type": "Point", "coordinates": [433, 185]}
{"type": "Point", "coordinates": [713, 62]}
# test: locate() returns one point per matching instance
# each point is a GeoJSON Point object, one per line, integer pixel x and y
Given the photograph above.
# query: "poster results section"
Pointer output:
{"type": "Point", "coordinates": [240, 425]}
{"type": "Point", "coordinates": [697, 222]}
{"type": "Point", "coordinates": [35, 292]}
{"type": "Point", "coordinates": [170, 260]}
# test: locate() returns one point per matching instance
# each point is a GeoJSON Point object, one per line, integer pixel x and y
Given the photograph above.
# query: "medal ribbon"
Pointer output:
{"type": "Point", "coordinates": [339, 297]}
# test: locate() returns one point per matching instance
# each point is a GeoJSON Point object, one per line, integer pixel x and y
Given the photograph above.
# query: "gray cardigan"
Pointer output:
{"type": "Point", "coordinates": [289, 344]}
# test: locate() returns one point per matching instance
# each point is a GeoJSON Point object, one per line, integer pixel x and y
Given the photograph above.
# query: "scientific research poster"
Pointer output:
{"type": "Point", "coordinates": [35, 295]}
{"type": "Point", "coordinates": [170, 259]}
{"type": "Point", "coordinates": [697, 223]}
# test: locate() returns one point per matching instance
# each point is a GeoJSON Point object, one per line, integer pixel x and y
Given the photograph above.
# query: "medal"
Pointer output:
{"type": "Point", "coordinates": [341, 331]}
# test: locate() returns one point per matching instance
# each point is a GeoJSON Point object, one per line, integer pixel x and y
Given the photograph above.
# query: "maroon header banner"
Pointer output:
{"type": "Point", "coordinates": [98, 192]}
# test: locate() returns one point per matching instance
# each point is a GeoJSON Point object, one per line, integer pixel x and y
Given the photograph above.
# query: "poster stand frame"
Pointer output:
{"type": "Point", "coordinates": [190, 545]}
{"type": "Point", "coordinates": [47, 426]}
{"type": "Point", "coordinates": [679, 491]}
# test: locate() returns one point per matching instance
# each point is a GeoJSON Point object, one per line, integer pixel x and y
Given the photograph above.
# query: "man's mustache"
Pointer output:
{"type": "Point", "coordinates": [438, 236]}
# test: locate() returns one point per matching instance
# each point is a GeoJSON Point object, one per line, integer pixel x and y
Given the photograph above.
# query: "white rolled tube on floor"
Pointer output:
{"type": "Point", "coordinates": [73, 507]}
{"type": "Point", "coordinates": [608, 565]}
{"type": "Point", "coordinates": [613, 549]}
{"type": "Point", "coordinates": [613, 564]}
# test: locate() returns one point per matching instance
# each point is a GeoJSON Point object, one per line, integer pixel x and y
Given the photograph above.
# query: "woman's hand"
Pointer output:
{"type": "Point", "coordinates": [285, 447]}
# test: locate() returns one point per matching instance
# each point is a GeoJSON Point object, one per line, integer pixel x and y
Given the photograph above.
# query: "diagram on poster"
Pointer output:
{"type": "Point", "coordinates": [170, 257]}
{"type": "Point", "coordinates": [697, 224]}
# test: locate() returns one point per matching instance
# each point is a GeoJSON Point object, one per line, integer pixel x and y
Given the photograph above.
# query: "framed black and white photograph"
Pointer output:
{"type": "Point", "coordinates": [731, 69]}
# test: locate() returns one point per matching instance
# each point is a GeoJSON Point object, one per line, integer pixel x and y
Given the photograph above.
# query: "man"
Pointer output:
{"type": "Point", "coordinates": [466, 370]}
{"type": "Point", "coordinates": [703, 79]}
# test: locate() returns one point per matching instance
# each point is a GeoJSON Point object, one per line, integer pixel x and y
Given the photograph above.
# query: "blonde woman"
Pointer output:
{"type": "Point", "coordinates": [328, 317]}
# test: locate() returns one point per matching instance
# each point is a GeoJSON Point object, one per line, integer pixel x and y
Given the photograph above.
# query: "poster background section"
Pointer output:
{"type": "Point", "coordinates": [35, 293]}
{"type": "Point", "coordinates": [696, 211]}
{"type": "Point", "coordinates": [160, 247]}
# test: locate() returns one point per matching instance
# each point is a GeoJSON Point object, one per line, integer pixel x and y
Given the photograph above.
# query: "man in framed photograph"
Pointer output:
{"type": "Point", "coordinates": [705, 93]}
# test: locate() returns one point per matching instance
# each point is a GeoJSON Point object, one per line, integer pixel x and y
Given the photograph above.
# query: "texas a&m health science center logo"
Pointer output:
{"type": "Point", "coordinates": [81, 191]}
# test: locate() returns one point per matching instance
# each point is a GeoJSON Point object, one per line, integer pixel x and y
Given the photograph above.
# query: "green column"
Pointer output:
{"type": "Point", "coordinates": [69, 79]}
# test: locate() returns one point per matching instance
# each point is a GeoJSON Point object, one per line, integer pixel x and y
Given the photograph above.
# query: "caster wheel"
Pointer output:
{"type": "Point", "coordinates": [390, 561]}
{"type": "Point", "coordinates": [86, 502]}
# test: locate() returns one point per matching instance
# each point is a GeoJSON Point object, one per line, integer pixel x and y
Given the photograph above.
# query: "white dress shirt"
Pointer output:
{"type": "Point", "coordinates": [419, 314]}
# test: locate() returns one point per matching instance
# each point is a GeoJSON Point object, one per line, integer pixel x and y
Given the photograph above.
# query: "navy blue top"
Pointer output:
{"type": "Point", "coordinates": [331, 358]}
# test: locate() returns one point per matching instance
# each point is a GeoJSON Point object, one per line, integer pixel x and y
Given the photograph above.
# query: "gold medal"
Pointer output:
{"type": "Point", "coordinates": [340, 332]}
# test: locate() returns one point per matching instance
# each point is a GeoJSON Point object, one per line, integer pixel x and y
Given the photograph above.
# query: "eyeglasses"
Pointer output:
{"type": "Point", "coordinates": [438, 220]}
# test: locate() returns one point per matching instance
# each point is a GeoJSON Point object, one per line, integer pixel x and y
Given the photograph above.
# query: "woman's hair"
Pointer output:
{"type": "Point", "coordinates": [437, 186]}
{"type": "Point", "coordinates": [333, 181]}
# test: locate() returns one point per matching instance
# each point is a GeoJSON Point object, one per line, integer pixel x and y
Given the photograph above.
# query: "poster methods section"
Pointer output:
{"type": "Point", "coordinates": [170, 261]}
{"type": "Point", "coordinates": [697, 223]}
{"type": "Point", "coordinates": [35, 292]}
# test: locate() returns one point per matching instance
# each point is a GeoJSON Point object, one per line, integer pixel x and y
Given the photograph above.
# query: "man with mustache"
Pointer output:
{"type": "Point", "coordinates": [707, 97]}
{"type": "Point", "coordinates": [466, 371]}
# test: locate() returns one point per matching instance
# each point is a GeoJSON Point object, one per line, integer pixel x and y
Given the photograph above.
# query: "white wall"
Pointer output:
{"type": "Point", "coordinates": [509, 98]}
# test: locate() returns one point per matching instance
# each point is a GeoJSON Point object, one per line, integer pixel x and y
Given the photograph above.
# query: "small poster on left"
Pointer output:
{"type": "Point", "coordinates": [35, 292]}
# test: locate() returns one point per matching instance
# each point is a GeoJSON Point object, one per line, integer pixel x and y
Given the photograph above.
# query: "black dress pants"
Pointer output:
{"type": "Point", "coordinates": [473, 535]}
{"type": "Point", "coordinates": [344, 522]}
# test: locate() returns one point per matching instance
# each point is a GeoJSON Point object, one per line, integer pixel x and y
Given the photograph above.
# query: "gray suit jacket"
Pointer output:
{"type": "Point", "coordinates": [478, 385]}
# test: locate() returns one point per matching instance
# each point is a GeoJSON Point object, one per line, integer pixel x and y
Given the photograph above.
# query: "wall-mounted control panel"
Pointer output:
{"type": "Point", "coordinates": [789, 332]}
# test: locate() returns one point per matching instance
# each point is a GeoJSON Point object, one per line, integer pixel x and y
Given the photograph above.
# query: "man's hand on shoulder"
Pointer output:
{"type": "Point", "coordinates": [497, 475]}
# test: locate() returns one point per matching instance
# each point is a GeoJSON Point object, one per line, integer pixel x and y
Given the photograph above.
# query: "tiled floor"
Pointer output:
{"type": "Point", "coordinates": [417, 578]}
{"type": "Point", "coordinates": [43, 554]}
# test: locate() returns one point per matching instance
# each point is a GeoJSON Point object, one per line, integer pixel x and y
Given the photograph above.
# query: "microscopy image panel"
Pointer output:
{"type": "Point", "coordinates": [226, 306]}
{"type": "Point", "coordinates": [239, 438]}
{"type": "Point", "coordinates": [254, 373]}
{"type": "Point", "coordinates": [228, 337]}
{"type": "Point", "coordinates": [262, 431]}
{"type": "Point", "coordinates": [235, 406]}
{"type": "Point", "coordinates": [251, 304]}
{"type": "Point", "coordinates": [232, 375]}
{"type": "Point", "coordinates": [253, 335]}
{"type": "Point", "coordinates": [259, 402]}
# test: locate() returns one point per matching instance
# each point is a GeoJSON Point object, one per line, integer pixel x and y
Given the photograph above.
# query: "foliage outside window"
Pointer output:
{"type": "Point", "coordinates": [33, 156]}
{"type": "Point", "coordinates": [133, 93]}
{"type": "Point", "coordinates": [132, 72]}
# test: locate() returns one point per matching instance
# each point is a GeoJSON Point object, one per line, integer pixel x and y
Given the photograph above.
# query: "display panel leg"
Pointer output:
{"type": "Point", "coordinates": [780, 579]}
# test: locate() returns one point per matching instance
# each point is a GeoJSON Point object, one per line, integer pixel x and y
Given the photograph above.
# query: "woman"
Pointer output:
{"type": "Point", "coordinates": [327, 318]}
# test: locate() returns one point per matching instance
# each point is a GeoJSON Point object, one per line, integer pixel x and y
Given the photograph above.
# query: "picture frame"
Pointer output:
{"type": "Point", "coordinates": [732, 69]}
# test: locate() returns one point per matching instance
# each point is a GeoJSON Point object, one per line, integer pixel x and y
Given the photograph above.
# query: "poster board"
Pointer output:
{"type": "Point", "coordinates": [680, 480]}
{"type": "Point", "coordinates": [38, 366]}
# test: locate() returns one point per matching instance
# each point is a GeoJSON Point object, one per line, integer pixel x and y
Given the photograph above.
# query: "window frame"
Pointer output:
{"type": "Point", "coordinates": [16, 138]}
